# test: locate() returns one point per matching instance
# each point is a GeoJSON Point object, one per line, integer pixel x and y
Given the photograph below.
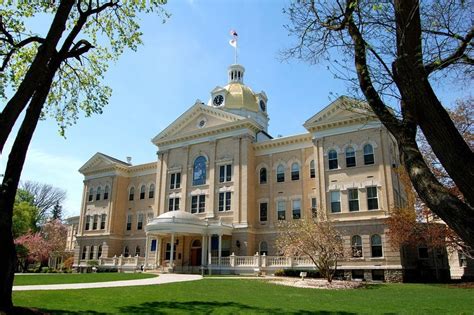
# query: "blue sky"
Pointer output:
{"type": "Point", "coordinates": [181, 61]}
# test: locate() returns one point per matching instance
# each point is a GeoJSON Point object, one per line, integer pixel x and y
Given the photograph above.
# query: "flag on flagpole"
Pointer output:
{"type": "Point", "coordinates": [233, 43]}
{"type": "Point", "coordinates": [233, 33]}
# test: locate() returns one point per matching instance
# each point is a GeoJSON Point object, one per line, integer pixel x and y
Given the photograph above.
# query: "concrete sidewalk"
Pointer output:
{"type": "Point", "coordinates": [162, 278]}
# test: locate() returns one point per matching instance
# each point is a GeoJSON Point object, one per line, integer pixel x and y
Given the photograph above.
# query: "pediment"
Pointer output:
{"type": "Point", "coordinates": [196, 119]}
{"type": "Point", "coordinates": [344, 110]}
{"type": "Point", "coordinates": [101, 161]}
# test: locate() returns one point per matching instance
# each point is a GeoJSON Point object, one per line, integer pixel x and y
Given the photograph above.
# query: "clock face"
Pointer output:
{"type": "Point", "coordinates": [218, 100]}
{"type": "Point", "coordinates": [263, 107]}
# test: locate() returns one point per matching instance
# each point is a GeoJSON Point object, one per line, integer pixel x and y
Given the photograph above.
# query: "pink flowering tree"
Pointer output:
{"type": "Point", "coordinates": [34, 248]}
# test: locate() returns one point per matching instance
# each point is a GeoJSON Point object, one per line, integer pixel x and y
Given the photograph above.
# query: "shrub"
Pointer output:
{"type": "Point", "coordinates": [106, 269]}
{"type": "Point", "coordinates": [296, 273]}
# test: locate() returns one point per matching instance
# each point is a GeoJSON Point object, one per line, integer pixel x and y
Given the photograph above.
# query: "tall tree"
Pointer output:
{"type": "Point", "coordinates": [45, 197]}
{"type": "Point", "coordinates": [398, 48]}
{"type": "Point", "coordinates": [57, 74]}
{"type": "Point", "coordinates": [57, 212]}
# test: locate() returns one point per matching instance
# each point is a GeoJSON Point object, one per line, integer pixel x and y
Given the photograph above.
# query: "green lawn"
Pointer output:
{"type": "Point", "coordinates": [252, 296]}
{"type": "Point", "coordinates": [57, 278]}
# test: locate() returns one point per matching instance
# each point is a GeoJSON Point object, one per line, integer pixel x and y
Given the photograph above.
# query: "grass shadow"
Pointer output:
{"type": "Point", "coordinates": [212, 307]}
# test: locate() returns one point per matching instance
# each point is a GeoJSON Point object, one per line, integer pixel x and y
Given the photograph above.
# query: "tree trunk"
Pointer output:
{"type": "Point", "coordinates": [36, 75]}
{"type": "Point", "coordinates": [8, 189]}
{"type": "Point", "coordinates": [457, 214]}
{"type": "Point", "coordinates": [414, 86]}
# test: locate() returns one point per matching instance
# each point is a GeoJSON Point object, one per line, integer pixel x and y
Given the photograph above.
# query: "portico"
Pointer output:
{"type": "Point", "coordinates": [169, 227]}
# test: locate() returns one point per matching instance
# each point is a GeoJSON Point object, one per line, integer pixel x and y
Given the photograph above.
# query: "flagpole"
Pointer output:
{"type": "Point", "coordinates": [236, 52]}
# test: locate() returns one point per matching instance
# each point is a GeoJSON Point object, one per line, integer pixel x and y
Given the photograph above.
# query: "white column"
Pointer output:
{"type": "Point", "coordinates": [147, 245]}
{"type": "Point", "coordinates": [203, 252]}
{"type": "Point", "coordinates": [209, 249]}
{"type": "Point", "coordinates": [220, 248]}
{"type": "Point", "coordinates": [172, 250]}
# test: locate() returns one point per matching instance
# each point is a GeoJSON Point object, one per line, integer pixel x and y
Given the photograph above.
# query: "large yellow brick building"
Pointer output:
{"type": "Point", "coordinates": [222, 183]}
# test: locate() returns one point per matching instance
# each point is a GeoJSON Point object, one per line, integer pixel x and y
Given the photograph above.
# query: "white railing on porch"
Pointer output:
{"type": "Point", "coordinates": [230, 262]}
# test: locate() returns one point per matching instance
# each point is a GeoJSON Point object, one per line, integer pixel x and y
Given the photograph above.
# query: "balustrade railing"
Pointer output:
{"type": "Point", "coordinates": [257, 261]}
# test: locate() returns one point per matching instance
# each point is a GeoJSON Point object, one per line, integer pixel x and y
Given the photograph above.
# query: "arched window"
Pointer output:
{"type": "Point", "coordinates": [263, 248]}
{"type": "Point", "coordinates": [196, 244]}
{"type": "Point", "coordinates": [151, 192]}
{"type": "Point", "coordinates": [99, 251]}
{"type": "Point", "coordinates": [131, 194]}
{"type": "Point", "coordinates": [199, 171]}
{"type": "Point", "coordinates": [106, 192]}
{"type": "Point", "coordinates": [368, 154]}
{"type": "Point", "coordinates": [376, 245]}
{"type": "Point", "coordinates": [295, 171]}
{"type": "Point", "coordinates": [312, 169]}
{"type": "Point", "coordinates": [280, 173]}
{"type": "Point", "coordinates": [84, 250]}
{"type": "Point", "coordinates": [356, 243]}
{"type": "Point", "coordinates": [332, 157]}
{"type": "Point", "coordinates": [263, 175]}
{"type": "Point", "coordinates": [125, 251]}
{"type": "Point", "coordinates": [350, 157]}
{"type": "Point", "coordinates": [137, 251]}
{"type": "Point", "coordinates": [142, 192]}
{"type": "Point", "coordinates": [91, 194]}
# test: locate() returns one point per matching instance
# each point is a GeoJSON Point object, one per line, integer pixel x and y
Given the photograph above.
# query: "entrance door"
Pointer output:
{"type": "Point", "coordinates": [196, 251]}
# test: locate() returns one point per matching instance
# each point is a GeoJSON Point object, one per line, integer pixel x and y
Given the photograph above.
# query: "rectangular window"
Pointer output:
{"type": "Point", "coordinates": [281, 211]}
{"type": "Point", "coordinates": [140, 221]}
{"type": "Point", "coordinates": [353, 199]}
{"type": "Point", "coordinates": [129, 222]}
{"type": "Point", "coordinates": [263, 211]}
{"type": "Point", "coordinates": [97, 196]}
{"type": "Point", "coordinates": [96, 220]}
{"type": "Point", "coordinates": [173, 204]}
{"type": "Point", "coordinates": [91, 196]}
{"type": "Point", "coordinates": [168, 251]}
{"type": "Point", "coordinates": [335, 201]}
{"type": "Point", "coordinates": [153, 246]}
{"type": "Point", "coordinates": [102, 221]}
{"type": "Point", "coordinates": [372, 200]}
{"type": "Point", "coordinates": [225, 173]}
{"type": "Point", "coordinates": [314, 208]}
{"type": "Point", "coordinates": [224, 201]}
{"type": "Point", "coordinates": [280, 177]}
{"type": "Point", "coordinates": [88, 220]}
{"type": "Point", "coordinates": [149, 217]}
{"type": "Point", "coordinates": [198, 204]}
{"type": "Point", "coordinates": [296, 209]}
{"type": "Point", "coordinates": [312, 173]}
{"type": "Point", "coordinates": [175, 181]}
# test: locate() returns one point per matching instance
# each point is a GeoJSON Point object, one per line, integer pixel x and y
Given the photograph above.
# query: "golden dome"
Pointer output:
{"type": "Point", "coordinates": [239, 96]}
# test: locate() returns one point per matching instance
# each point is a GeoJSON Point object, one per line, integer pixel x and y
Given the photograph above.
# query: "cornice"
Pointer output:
{"type": "Point", "coordinates": [241, 124]}
{"type": "Point", "coordinates": [279, 142]}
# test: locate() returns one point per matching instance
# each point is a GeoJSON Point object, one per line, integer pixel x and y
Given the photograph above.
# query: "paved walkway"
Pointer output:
{"type": "Point", "coordinates": [162, 278]}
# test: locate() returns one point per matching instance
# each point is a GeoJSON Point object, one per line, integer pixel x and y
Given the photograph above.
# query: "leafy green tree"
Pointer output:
{"type": "Point", "coordinates": [24, 215]}
{"type": "Point", "coordinates": [57, 74]}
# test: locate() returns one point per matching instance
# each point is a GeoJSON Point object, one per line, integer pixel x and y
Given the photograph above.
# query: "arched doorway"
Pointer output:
{"type": "Point", "coordinates": [196, 250]}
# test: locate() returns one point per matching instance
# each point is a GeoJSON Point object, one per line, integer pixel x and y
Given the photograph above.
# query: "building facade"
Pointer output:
{"type": "Point", "coordinates": [221, 184]}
